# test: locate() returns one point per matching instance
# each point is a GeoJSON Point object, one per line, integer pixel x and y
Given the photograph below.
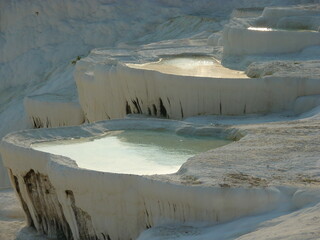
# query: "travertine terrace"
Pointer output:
{"type": "Point", "coordinates": [243, 71]}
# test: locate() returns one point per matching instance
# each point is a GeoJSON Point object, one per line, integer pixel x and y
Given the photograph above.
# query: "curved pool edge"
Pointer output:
{"type": "Point", "coordinates": [61, 199]}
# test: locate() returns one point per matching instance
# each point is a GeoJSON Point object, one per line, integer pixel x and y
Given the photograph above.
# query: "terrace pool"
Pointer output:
{"type": "Point", "coordinates": [141, 152]}
{"type": "Point", "coordinates": [197, 66]}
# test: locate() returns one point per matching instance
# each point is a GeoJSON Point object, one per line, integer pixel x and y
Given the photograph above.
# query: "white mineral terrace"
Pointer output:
{"type": "Point", "coordinates": [209, 189]}
{"type": "Point", "coordinates": [191, 66]}
{"type": "Point", "coordinates": [133, 152]}
{"type": "Point", "coordinates": [103, 80]}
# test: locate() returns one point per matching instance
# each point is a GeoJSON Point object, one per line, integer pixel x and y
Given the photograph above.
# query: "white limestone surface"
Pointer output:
{"type": "Point", "coordinates": [246, 12]}
{"type": "Point", "coordinates": [285, 223]}
{"type": "Point", "coordinates": [305, 104]}
{"type": "Point", "coordinates": [280, 225]}
{"type": "Point", "coordinates": [53, 110]}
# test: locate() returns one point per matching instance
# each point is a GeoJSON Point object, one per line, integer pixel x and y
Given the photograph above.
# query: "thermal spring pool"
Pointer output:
{"type": "Point", "coordinates": [141, 152]}
{"type": "Point", "coordinates": [198, 66]}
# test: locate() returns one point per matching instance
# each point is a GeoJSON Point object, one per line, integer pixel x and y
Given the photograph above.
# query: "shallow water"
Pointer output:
{"type": "Point", "coordinates": [197, 66]}
{"type": "Point", "coordinates": [133, 152]}
{"type": "Point", "coordinates": [266, 29]}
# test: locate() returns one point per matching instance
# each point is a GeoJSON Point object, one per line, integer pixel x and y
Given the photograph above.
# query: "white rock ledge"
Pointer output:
{"type": "Point", "coordinates": [63, 200]}
{"type": "Point", "coordinates": [240, 41]}
{"type": "Point", "coordinates": [276, 31]}
{"type": "Point", "coordinates": [52, 110]}
{"type": "Point", "coordinates": [111, 85]}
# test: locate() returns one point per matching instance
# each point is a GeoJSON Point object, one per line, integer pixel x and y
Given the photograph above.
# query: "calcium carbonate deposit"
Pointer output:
{"type": "Point", "coordinates": [157, 120]}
